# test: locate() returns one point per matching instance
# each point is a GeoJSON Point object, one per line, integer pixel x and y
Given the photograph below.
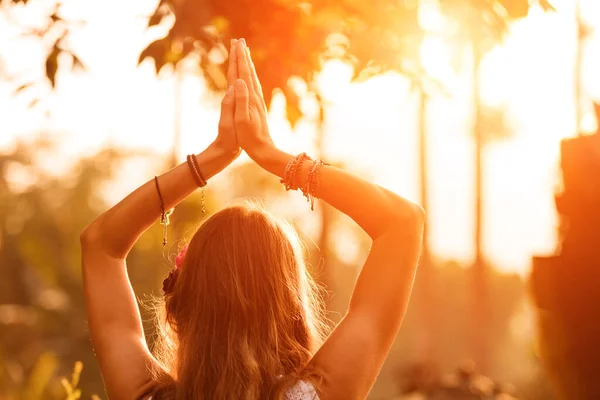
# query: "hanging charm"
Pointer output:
{"type": "Point", "coordinates": [203, 201]}
{"type": "Point", "coordinates": [165, 221]}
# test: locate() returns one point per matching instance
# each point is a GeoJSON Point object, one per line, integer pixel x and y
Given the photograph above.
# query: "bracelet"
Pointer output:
{"type": "Point", "coordinates": [198, 177]}
{"type": "Point", "coordinates": [314, 178]}
{"type": "Point", "coordinates": [292, 173]}
{"type": "Point", "coordinates": [306, 189]}
{"type": "Point", "coordinates": [195, 168]}
{"type": "Point", "coordinates": [296, 171]}
{"type": "Point", "coordinates": [292, 170]}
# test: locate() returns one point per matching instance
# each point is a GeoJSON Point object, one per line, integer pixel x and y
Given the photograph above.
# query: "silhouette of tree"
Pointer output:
{"type": "Point", "coordinates": [565, 285]}
{"type": "Point", "coordinates": [481, 25]}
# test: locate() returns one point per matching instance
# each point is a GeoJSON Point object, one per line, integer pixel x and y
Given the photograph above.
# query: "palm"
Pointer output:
{"type": "Point", "coordinates": [251, 123]}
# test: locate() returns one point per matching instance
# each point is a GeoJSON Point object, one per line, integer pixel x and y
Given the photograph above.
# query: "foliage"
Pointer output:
{"type": "Point", "coordinates": [292, 38]}
{"type": "Point", "coordinates": [73, 392]}
{"type": "Point", "coordinates": [42, 317]}
{"type": "Point", "coordinates": [486, 21]}
{"type": "Point", "coordinates": [42, 314]}
{"type": "Point", "coordinates": [54, 33]}
{"type": "Point", "coordinates": [287, 38]}
{"type": "Point", "coordinates": [463, 383]}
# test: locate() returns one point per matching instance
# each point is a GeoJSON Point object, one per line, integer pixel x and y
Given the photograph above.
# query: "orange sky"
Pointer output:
{"type": "Point", "coordinates": [370, 125]}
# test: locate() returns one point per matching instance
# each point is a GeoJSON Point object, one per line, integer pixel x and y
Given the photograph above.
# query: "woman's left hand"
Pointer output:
{"type": "Point", "coordinates": [226, 141]}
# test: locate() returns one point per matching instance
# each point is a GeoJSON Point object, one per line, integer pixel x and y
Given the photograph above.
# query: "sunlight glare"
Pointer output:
{"type": "Point", "coordinates": [495, 77]}
{"type": "Point", "coordinates": [430, 16]}
{"type": "Point", "coordinates": [435, 56]}
{"type": "Point", "coordinates": [588, 123]}
{"type": "Point", "coordinates": [334, 79]}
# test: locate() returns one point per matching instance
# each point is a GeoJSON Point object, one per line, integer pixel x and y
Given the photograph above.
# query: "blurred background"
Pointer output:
{"type": "Point", "coordinates": [483, 111]}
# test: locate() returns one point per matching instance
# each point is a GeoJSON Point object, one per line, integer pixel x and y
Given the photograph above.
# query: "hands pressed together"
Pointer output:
{"type": "Point", "coordinates": [243, 122]}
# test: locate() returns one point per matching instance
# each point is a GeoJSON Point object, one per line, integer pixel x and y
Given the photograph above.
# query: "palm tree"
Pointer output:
{"type": "Point", "coordinates": [482, 25]}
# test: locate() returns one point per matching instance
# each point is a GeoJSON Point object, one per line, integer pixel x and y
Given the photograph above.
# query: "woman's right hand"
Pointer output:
{"type": "Point", "coordinates": [250, 117]}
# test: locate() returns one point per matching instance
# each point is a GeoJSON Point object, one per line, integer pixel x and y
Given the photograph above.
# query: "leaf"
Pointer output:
{"type": "Point", "coordinates": [77, 64]}
{"type": "Point", "coordinates": [516, 9]}
{"type": "Point", "coordinates": [41, 375]}
{"type": "Point", "coordinates": [52, 64]}
{"type": "Point", "coordinates": [158, 51]}
{"type": "Point", "coordinates": [546, 5]}
{"type": "Point", "coordinates": [292, 106]}
{"type": "Point", "coordinates": [162, 10]}
{"type": "Point", "coordinates": [33, 103]}
{"type": "Point", "coordinates": [76, 373]}
{"type": "Point", "coordinates": [23, 87]}
{"type": "Point", "coordinates": [67, 385]}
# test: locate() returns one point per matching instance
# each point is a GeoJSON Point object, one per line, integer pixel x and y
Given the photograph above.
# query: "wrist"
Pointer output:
{"type": "Point", "coordinates": [214, 159]}
{"type": "Point", "coordinates": [263, 153]}
{"type": "Point", "coordinates": [226, 150]}
{"type": "Point", "coordinates": [271, 159]}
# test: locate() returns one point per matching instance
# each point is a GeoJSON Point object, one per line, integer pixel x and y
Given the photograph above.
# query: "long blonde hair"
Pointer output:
{"type": "Point", "coordinates": [244, 316]}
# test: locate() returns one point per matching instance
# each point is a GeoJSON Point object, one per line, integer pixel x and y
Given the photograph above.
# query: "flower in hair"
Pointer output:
{"type": "Point", "coordinates": [169, 282]}
{"type": "Point", "coordinates": [180, 257]}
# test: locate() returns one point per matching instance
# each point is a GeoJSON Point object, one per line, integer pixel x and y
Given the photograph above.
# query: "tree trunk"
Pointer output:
{"type": "Point", "coordinates": [481, 309]}
{"type": "Point", "coordinates": [424, 281]}
{"type": "Point", "coordinates": [577, 68]}
{"type": "Point", "coordinates": [175, 225]}
{"type": "Point", "coordinates": [177, 113]}
{"type": "Point", "coordinates": [322, 256]}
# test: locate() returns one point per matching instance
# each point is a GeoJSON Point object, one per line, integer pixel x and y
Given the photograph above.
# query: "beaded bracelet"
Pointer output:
{"type": "Point", "coordinates": [195, 168]}
{"type": "Point", "coordinates": [292, 172]}
{"type": "Point", "coordinates": [198, 177]}
{"type": "Point", "coordinates": [306, 189]}
{"type": "Point", "coordinates": [296, 171]}
{"type": "Point", "coordinates": [312, 182]}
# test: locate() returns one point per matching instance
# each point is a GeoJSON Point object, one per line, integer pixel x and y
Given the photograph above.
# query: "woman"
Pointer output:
{"type": "Point", "coordinates": [242, 318]}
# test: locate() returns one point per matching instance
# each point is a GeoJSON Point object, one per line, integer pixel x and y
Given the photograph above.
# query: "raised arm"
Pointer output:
{"type": "Point", "coordinates": [350, 359]}
{"type": "Point", "coordinates": [113, 315]}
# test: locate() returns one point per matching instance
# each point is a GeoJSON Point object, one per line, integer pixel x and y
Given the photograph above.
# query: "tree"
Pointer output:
{"type": "Point", "coordinates": [564, 285]}
{"type": "Point", "coordinates": [42, 314]}
{"type": "Point", "coordinates": [481, 25]}
{"type": "Point", "coordinates": [40, 260]}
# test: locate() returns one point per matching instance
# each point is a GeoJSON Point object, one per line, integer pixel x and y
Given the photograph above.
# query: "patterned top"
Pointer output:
{"type": "Point", "coordinates": [300, 391]}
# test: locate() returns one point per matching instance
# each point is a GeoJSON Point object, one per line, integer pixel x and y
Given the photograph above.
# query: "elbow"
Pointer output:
{"type": "Point", "coordinates": [89, 237]}
{"type": "Point", "coordinates": [408, 221]}
{"type": "Point", "coordinates": [419, 215]}
{"type": "Point", "coordinates": [418, 218]}
{"type": "Point", "coordinates": [413, 215]}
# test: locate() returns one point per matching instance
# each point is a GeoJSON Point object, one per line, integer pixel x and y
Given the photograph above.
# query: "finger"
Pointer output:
{"type": "Point", "coordinates": [243, 64]}
{"type": "Point", "coordinates": [232, 73]}
{"type": "Point", "coordinates": [255, 81]}
{"type": "Point", "coordinates": [242, 114]}
{"type": "Point", "coordinates": [227, 110]}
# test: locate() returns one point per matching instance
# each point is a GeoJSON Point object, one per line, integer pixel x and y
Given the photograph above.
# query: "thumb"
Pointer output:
{"type": "Point", "coordinates": [227, 109]}
{"type": "Point", "coordinates": [242, 114]}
